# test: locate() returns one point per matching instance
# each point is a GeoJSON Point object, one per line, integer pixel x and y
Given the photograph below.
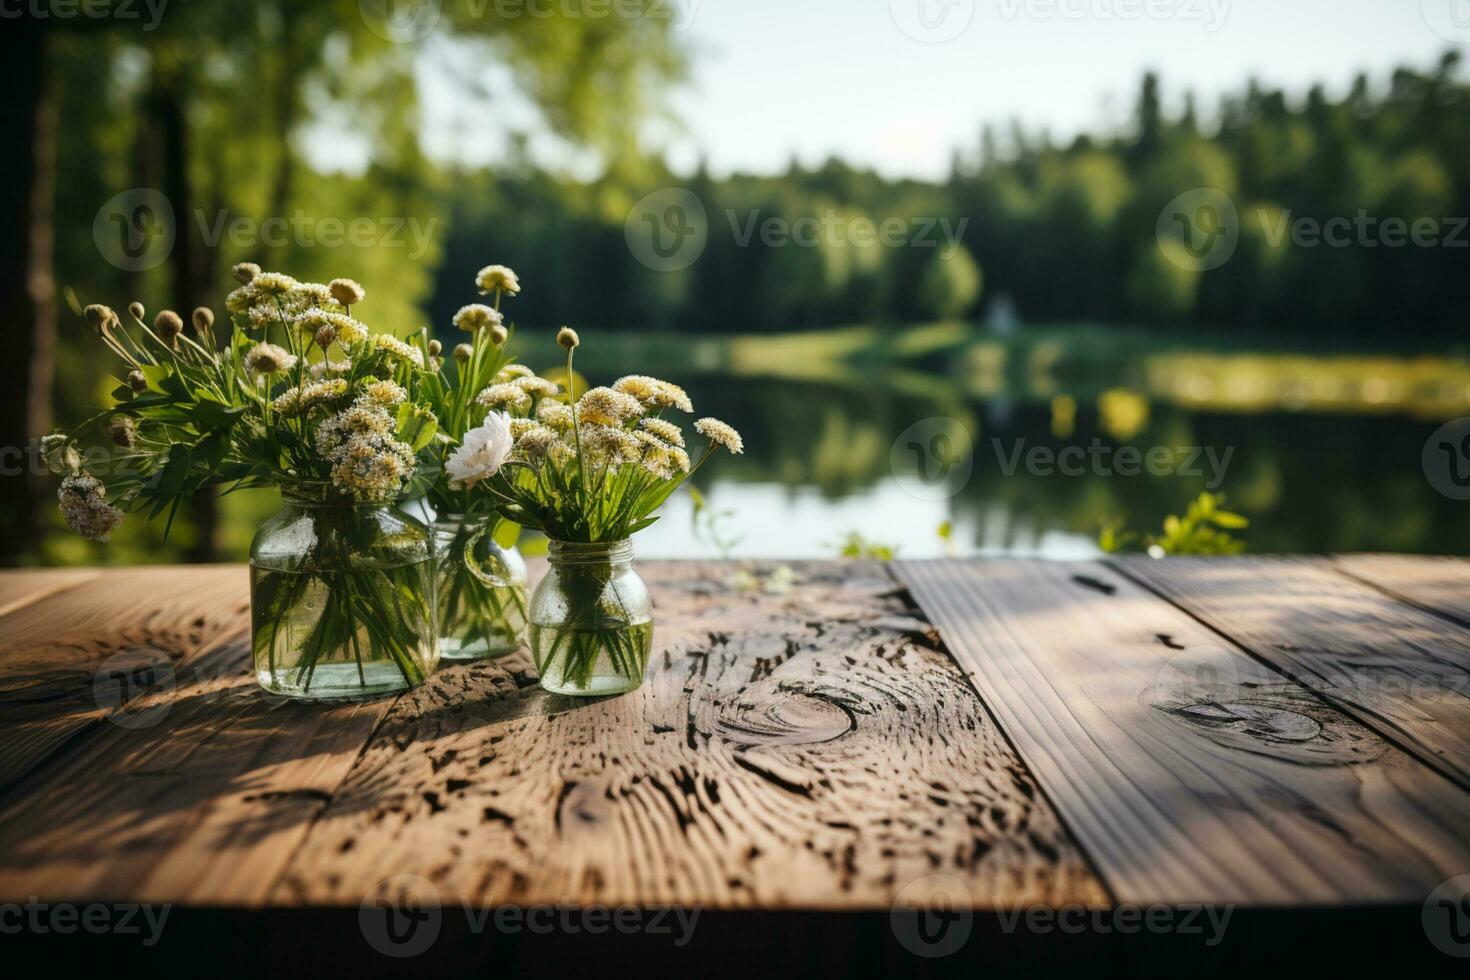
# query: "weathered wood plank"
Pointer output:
{"type": "Point", "coordinates": [19, 588]}
{"type": "Point", "coordinates": [197, 794]}
{"type": "Point", "coordinates": [77, 656]}
{"type": "Point", "coordinates": [808, 750]}
{"type": "Point", "coordinates": [1188, 771]}
{"type": "Point", "coordinates": [1441, 585]}
{"type": "Point", "coordinates": [168, 776]}
{"type": "Point", "coordinates": [1399, 670]}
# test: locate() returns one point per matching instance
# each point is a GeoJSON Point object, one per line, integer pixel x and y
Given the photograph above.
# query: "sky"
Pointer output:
{"type": "Point", "coordinates": [898, 85]}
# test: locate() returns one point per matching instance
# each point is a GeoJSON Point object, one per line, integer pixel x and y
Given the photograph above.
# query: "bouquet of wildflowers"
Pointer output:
{"type": "Point", "coordinates": [588, 473]}
{"type": "Point", "coordinates": [298, 395]}
{"type": "Point", "coordinates": [481, 578]}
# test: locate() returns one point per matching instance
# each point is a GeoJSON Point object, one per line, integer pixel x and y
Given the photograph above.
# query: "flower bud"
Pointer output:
{"type": "Point", "coordinates": [203, 319]}
{"type": "Point", "coordinates": [122, 431]}
{"type": "Point", "coordinates": [498, 335]}
{"type": "Point", "coordinates": [325, 335]}
{"type": "Point", "coordinates": [168, 325]}
{"type": "Point", "coordinates": [435, 348]}
{"type": "Point", "coordinates": [567, 338]}
{"type": "Point", "coordinates": [136, 381]}
{"type": "Point", "coordinates": [245, 272]}
{"type": "Point", "coordinates": [463, 352]}
{"type": "Point", "coordinates": [136, 309]}
{"type": "Point", "coordinates": [99, 316]}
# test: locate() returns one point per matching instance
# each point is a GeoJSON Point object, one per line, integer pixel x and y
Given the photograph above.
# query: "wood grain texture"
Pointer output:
{"type": "Point", "coordinates": [143, 760]}
{"type": "Point", "coordinates": [23, 587]}
{"type": "Point", "coordinates": [1440, 585]}
{"type": "Point", "coordinates": [1188, 771]}
{"type": "Point", "coordinates": [808, 750]}
{"type": "Point", "coordinates": [199, 796]}
{"type": "Point", "coordinates": [78, 654]}
{"type": "Point", "coordinates": [1398, 669]}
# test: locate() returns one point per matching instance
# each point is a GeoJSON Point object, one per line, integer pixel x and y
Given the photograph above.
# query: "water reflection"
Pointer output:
{"type": "Point", "coordinates": [1323, 452]}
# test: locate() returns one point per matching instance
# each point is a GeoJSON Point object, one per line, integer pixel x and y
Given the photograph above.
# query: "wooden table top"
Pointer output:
{"type": "Point", "coordinates": [1273, 733]}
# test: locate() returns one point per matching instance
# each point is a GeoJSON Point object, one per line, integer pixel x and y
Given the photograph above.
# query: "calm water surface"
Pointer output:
{"type": "Point", "coordinates": [1322, 452]}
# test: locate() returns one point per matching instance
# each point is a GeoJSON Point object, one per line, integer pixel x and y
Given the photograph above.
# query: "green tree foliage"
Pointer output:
{"type": "Point", "coordinates": [217, 108]}
{"type": "Point", "coordinates": [1162, 286]}
{"type": "Point", "coordinates": [951, 284]}
{"type": "Point", "coordinates": [1063, 233]}
{"type": "Point", "coordinates": [237, 94]}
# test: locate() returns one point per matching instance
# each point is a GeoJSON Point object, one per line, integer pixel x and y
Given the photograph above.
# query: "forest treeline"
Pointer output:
{"type": "Point", "coordinates": [216, 109]}
{"type": "Point", "coordinates": [1348, 217]}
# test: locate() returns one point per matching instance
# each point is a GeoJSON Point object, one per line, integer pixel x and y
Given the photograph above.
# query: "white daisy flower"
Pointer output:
{"type": "Point", "coordinates": [482, 453]}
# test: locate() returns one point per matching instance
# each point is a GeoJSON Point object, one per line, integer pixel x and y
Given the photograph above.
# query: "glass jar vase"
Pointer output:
{"type": "Point", "coordinates": [591, 621]}
{"type": "Point", "coordinates": [341, 601]}
{"type": "Point", "coordinates": [481, 589]}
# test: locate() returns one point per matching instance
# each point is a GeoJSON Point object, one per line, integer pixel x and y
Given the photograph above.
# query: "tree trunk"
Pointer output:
{"type": "Point", "coordinates": [27, 288]}
{"type": "Point", "coordinates": [286, 98]}
{"type": "Point", "coordinates": [190, 276]}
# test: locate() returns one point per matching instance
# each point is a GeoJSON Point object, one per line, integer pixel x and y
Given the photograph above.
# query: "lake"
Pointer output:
{"type": "Point", "coordinates": [1023, 443]}
{"type": "Point", "coordinates": [1026, 444]}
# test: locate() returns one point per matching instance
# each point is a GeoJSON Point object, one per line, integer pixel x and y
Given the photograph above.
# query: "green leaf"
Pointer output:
{"type": "Point", "coordinates": [211, 452]}
{"type": "Point", "coordinates": [164, 378]}
{"type": "Point", "coordinates": [170, 479]}
{"type": "Point", "coordinates": [416, 425]}
{"type": "Point", "coordinates": [210, 414]}
{"type": "Point", "coordinates": [507, 533]}
{"type": "Point", "coordinates": [1204, 530]}
{"type": "Point", "coordinates": [646, 522]}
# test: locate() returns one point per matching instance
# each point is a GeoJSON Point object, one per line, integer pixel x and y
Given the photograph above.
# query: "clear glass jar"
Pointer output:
{"type": "Point", "coordinates": [591, 620]}
{"type": "Point", "coordinates": [341, 601]}
{"type": "Point", "coordinates": [481, 589]}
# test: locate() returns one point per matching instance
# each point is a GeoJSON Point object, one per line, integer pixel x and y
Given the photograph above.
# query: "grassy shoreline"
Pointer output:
{"type": "Point", "coordinates": [1223, 373]}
